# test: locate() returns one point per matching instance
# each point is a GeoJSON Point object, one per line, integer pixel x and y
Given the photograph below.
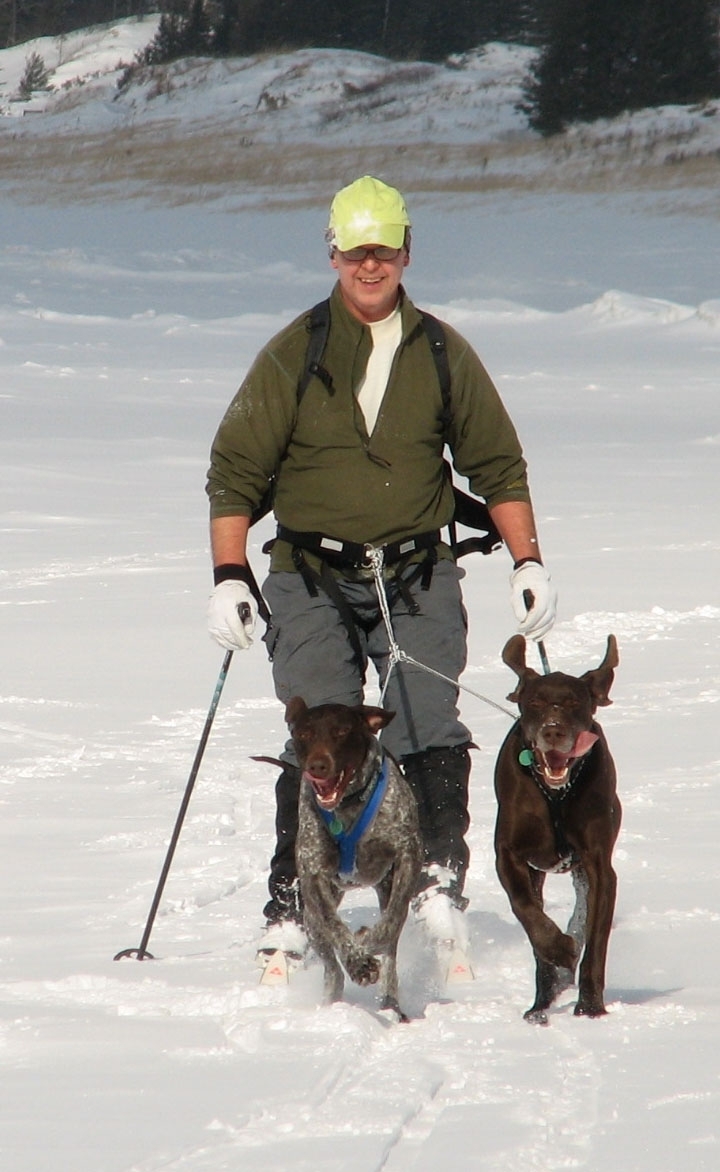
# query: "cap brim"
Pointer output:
{"type": "Point", "coordinates": [350, 236]}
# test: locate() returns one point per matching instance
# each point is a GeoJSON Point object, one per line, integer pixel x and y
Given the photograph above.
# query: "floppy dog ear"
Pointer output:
{"type": "Point", "coordinates": [376, 718]}
{"type": "Point", "coordinates": [514, 656]}
{"type": "Point", "coordinates": [294, 710]}
{"type": "Point", "coordinates": [601, 679]}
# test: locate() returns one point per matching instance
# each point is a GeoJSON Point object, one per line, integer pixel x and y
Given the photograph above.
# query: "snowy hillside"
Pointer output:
{"type": "Point", "coordinates": [312, 90]}
{"type": "Point", "coordinates": [586, 274]}
{"type": "Point", "coordinates": [301, 117]}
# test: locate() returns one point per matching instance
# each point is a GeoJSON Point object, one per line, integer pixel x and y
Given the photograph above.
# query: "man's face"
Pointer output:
{"type": "Point", "coordinates": [369, 287]}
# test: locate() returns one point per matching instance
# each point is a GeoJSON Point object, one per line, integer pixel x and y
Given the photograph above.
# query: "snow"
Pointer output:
{"type": "Point", "coordinates": [125, 327]}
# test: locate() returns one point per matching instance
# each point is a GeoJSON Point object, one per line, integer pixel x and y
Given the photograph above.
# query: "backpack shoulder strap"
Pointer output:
{"type": "Point", "coordinates": [318, 329]}
{"type": "Point", "coordinates": [435, 334]}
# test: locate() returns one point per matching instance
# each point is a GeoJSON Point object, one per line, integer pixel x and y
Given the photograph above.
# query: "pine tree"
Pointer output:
{"type": "Point", "coordinates": [197, 34]}
{"type": "Point", "coordinates": [600, 57]}
{"type": "Point", "coordinates": [404, 29]}
{"type": "Point", "coordinates": [35, 76]}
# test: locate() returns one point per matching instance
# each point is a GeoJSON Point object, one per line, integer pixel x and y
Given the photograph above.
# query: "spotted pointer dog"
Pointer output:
{"type": "Point", "coordinates": [358, 827]}
{"type": "Point", "coordinates": [558, 810]}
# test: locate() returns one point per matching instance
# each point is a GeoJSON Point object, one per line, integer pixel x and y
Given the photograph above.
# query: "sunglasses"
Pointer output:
{"type": "Point", "coordinates": [381, 253]}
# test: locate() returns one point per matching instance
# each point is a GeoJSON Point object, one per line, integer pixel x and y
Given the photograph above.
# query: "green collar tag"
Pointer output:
{"type": "Point", "coordinates": [526, 757]}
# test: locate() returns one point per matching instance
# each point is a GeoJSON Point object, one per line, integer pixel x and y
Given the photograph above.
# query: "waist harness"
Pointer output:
{"type": "Point", "coordinates": [349, 555]}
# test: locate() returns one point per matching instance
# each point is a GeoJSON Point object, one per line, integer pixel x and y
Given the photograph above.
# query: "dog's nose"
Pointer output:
{"type": "Point", "coordinates": [319, 764]}
{"type": "Point", "coordinates": [553, 734]}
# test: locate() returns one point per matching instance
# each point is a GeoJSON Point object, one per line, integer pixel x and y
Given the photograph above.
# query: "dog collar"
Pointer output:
{"type": "Point", "coordinates": [554, 796]}
{"type": "Point", "coordinates": [347, 840]}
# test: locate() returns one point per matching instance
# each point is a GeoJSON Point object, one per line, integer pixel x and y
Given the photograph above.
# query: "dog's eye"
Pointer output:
{"type": "Point", "coordinates": [570, 703]}
{"type": "Point", "coordinates": [342, 731]}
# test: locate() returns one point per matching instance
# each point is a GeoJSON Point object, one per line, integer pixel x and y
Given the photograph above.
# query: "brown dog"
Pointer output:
{"type": "Point", "coordinates": [558, 811]}
{"type": "Point", "coordinates": [358, 827]}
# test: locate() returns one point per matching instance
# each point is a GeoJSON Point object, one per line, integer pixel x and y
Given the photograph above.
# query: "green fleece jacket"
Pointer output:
{"type": "Point", "coordinates": [334, 478]}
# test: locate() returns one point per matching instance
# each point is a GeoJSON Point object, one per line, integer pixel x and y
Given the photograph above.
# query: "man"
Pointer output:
{"type": "Point", "coordinates": [358, 460]}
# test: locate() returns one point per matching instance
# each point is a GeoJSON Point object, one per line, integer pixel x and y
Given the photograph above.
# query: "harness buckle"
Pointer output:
{"type": "Point", "coordinates": [367, 557]}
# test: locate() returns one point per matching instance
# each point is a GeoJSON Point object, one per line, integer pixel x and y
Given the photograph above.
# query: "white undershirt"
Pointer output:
{"type": "Point", "coordinates": [386, 335]}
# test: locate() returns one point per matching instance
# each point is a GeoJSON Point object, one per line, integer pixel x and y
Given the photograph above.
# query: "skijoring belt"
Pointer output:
{"type": "Point", "coordinates": [345, 556]}
{"type": "Point", "coordinates": [353, 554]}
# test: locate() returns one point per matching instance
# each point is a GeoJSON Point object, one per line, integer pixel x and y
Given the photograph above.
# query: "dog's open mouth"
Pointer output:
{"type": "Point", "coordinates": [328, 790]}
{"type": "Point", "coordinates": [555, 766]}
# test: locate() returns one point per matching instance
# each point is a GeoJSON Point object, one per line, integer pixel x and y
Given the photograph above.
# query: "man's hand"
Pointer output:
{"type": "Point", "coordinates": [231, 615]}
{"type": "Point", "coordinates": [534, 599]}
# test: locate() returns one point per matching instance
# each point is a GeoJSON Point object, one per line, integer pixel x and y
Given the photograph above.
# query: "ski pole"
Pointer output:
{"type": "Point", "coordinates": [528, 599]}
{"type": "Point", "coordinates": [543, 657]}
{"type": "Point", "coordinates": [141, 953]}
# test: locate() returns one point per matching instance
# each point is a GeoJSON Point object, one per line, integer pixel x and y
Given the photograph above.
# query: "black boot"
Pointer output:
{"type": "Point", "coordinates": [439, 780]}
{"type": "Point", "coordinates": [285, 902]}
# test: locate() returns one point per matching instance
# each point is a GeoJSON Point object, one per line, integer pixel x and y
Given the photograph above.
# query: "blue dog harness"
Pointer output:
{"type": "Point", "coordinates": [347, 840]}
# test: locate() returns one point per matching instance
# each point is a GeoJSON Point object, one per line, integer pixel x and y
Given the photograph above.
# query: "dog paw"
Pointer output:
{"type": "Point", "coordinates": [536, 1016]}
{"type": "Point", "coordinates": [363, 969]}
{"type": "Point", "coordinates": [590, 1009]}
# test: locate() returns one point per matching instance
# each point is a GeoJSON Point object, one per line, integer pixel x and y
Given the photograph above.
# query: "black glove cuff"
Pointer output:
{"type": "Point", "coordinates": [236, 572]}
{"type": "Point", "coordinates": [232, 571]}
{"type": "Point", "coordinates": [524, 561]}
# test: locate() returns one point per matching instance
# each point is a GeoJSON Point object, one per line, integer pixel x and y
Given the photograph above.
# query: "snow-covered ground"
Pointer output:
{"type": "Point", "coordinates": [124, 330]}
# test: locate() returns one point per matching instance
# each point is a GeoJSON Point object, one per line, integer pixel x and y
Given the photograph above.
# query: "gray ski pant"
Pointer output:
{"type": "Point", "coordinates": [312, 657]}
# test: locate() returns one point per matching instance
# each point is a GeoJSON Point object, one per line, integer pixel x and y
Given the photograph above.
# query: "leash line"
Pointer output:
{"type": "Point", "coordinates": [403, 657]}
{"type": "Point", "coordinates": [397, 655]}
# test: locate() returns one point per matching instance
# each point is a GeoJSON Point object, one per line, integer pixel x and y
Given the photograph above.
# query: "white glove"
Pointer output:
{"type": "Point", "coordinates": [536, 612]}
{"type": "Point", "coordinates": [231, 615]}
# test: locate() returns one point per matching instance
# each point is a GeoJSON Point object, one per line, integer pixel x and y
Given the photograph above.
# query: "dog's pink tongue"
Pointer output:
{"type": "Point", "coordinates": [583, 744]}
{"type": "Point", "coordinates": [558, 761]}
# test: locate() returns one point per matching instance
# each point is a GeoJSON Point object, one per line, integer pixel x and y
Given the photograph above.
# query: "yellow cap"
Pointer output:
{"type": "Point", "coordinates": [367, 212]}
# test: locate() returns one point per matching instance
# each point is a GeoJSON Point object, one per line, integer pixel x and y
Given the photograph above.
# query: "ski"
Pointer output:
{"type": "Point", "coordinates": [458, 970]}
{"type": "Point", "coordinates": [275, 971]}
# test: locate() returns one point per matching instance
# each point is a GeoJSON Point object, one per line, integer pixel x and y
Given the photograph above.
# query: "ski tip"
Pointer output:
{"type": "Point", "coordinates": [275, 970]}
{"type": "Point", "coordinates": [458, 969]}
